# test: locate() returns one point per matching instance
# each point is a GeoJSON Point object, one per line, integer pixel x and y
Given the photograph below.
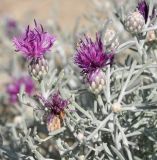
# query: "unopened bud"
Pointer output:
{"type": "Point", "coordinates": [110, 40]}
{"type": "Point", "coordinates": [116, 107]}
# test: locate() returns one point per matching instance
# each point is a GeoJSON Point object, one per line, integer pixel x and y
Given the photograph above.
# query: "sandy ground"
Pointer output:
{"type": "Point", "coordinates": [63, 11]}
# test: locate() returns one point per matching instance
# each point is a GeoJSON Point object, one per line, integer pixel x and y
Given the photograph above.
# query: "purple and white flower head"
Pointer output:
{"type": "Point", "coordinates": [91, 57]}
{"type": "Point", "coordinates": [13, 88]}
{"type": "Point", "coordinates": [54, 108]}
{"type": "Point", "coordinates": [134, 22]}
{"type": "Point", "coordinates": [34, 44]}
{"type": "Point", "coordinates": [143, 8]}
{"type": "Point", "coordinates": [54, 105]}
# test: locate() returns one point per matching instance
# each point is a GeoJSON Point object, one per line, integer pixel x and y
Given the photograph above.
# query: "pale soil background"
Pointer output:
{"type": "Point", "coordinates": [64, 12]}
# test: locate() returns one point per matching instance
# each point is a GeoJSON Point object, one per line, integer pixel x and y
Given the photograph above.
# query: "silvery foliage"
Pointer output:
{"type": "Point", "coordinates": [93, 127]}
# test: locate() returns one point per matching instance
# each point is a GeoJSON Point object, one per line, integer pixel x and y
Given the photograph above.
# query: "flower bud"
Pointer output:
{"type": "Point", "coordinates": [116, 107]}
{"type": "Point", "coordinates": [134, 22]}
{"type": "Point", "coordinates": [110, 40]}
{"type": "Point", "coordinates": [38, 68]}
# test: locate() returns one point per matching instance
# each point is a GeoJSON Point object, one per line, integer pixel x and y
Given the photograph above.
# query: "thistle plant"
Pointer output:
{"type": "Point", "coordinates": [100, 104]}
{"type": "Point", "coordinates": [136, 20]}
{"type": "Point", "coordinates": [91, 57]}
{"type": "Point", "coordinates": [33, 44]}
{"type": "Point", "coordinates": [54, 110]}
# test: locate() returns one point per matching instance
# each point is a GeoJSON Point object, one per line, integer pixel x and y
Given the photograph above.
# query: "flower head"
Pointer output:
{"type": "Point", "coordinates": [54, 105]}
{"type": "Point", "coordinates": [91, 56]}
{"type": "Point", "coordinates": [34, 43]}
{"type": "Point", "coordinates": [143, 8]}
{"type": "Point", "coordinates": [11, 28]}
{"type": "Point", "coordinates": [14, 88]}
{"type": "Point", "coordinates": [11, 23]}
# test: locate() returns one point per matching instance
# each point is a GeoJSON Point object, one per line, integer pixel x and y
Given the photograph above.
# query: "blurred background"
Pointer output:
{"type": "Point", "coordinates": [64, 12]}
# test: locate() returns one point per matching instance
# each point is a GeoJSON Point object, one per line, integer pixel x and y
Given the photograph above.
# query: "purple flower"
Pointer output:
{"type": "Point", "coordinates": [34, 43]}
{"type": "Point", "coordinates": [54, 105]}
{"type": "Point", "coordinates": [14, 88]}
{"type": "Point", "coordinates": [143, 8]}
{"type": "Point", "coordinates": [11, 23]}
{"type": "Point", "coordinates": [91, 56]}
{"type": "Point", "coordinates": [11, 28]}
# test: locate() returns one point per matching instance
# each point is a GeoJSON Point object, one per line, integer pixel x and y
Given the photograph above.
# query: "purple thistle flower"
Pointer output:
{"type": "Point", "coordinates": [143, 8]}
{"type": "Point", "coordinates": [11, 23]}
{"type": "Point", "coordinates": [34, 43]}
{"type": "Point", "coordinates": [14, 88]}
{"type": "Point", "coordinates": [55, 104]}
{"type": "Point", "coordinates": [11, 28]}
{"type": "Point", "coordinates": [91, 57]}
